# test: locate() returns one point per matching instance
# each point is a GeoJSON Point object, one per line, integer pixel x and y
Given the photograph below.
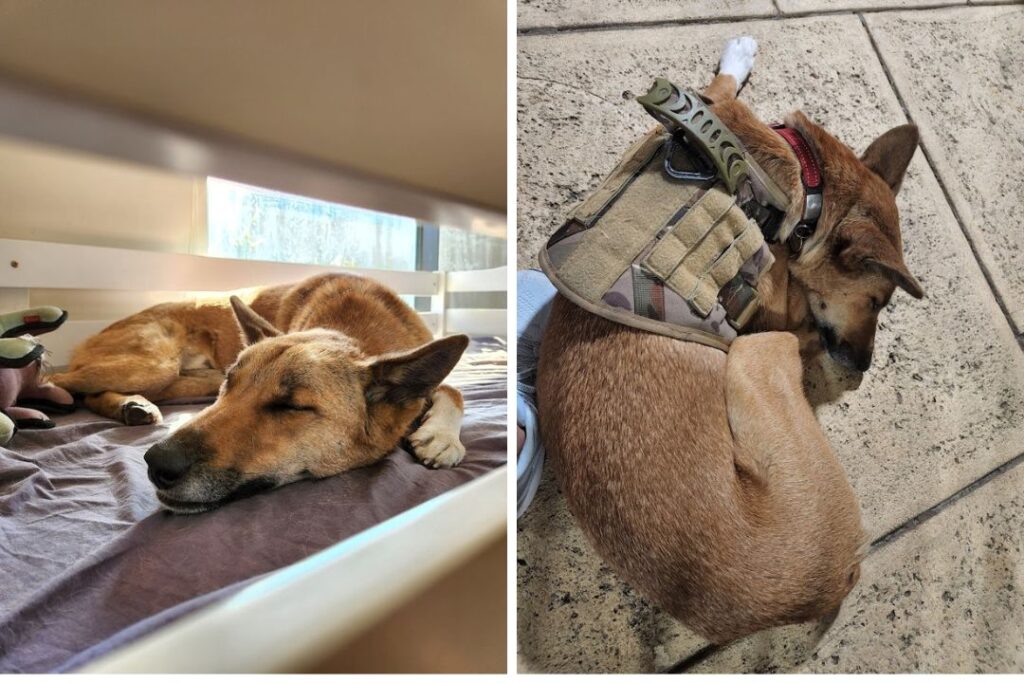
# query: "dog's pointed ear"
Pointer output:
{"type": "Point", "coordinates": [868, 249]}
{"type": "Point", "coordinates": [889, 155]}
{"type": "Point", "coordinates": [254, 327]}
{"type": "Point", "coordinates": [898, 274]}
{"type": "Point", "coordinates": [411, 375]}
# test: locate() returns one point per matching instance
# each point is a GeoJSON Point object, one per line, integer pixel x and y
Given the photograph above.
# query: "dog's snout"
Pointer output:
{"type": "Point", "coordinates": [843, 352]}
{"type": "Point", "coordinates": [861, 360]}
{"type": "Point", "coordinates": [171, 459]}
{"type": "Point", "coordinates": [167, 464]}
{"type": "Point", "coordinates": [851, 357]}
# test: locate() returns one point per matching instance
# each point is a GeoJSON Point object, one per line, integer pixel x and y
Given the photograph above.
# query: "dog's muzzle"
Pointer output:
{"type": "Point", "coordinates": [186, 484]}
{"type": "Point", "coordinates": [843, 352]}
{"type": "Point", "coordinates": [170, 460]}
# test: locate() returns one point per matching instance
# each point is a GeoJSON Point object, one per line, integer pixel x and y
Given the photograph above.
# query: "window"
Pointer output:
{"type": "Point", "coordinates": [253, 223]}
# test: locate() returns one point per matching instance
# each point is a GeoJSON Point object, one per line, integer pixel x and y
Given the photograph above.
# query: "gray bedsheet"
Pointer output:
{"type": "Point", "coordinates": [89, 562]}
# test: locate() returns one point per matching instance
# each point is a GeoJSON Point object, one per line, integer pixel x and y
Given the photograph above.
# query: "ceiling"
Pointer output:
{"type": "Point", "coordinates": [408, 91]}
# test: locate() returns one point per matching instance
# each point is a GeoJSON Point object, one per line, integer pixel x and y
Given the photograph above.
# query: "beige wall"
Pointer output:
{"type": "Point", "coordinates": [52, 195]}
{"type": "Point", "coordinates": [56, 196]}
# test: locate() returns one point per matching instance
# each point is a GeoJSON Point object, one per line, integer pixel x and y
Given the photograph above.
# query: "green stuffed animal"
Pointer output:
{"type": "Point", "coordinates": [21, 366]}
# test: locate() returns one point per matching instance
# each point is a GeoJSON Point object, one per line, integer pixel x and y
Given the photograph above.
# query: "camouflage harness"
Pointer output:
{"type": "Point", "coordinates": [675, 239]}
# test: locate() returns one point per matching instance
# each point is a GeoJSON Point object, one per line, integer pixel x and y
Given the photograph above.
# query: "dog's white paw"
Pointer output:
{"type": "Point", "coordinates": [738, 58]}
{"type": "Point", "coordinates": [437, 447]}
{"type": "Point", "coordinates": [136, 413]}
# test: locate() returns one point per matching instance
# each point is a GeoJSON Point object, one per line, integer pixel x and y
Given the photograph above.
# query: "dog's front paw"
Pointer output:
{"type": "Point", "coordinates": [134, 413]}
{"type": "Point", "coordinates": [738, 58]}
{"type": "Point", "coordinates": [437, 447]}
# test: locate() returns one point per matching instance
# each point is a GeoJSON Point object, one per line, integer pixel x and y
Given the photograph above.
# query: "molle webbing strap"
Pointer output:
{"type": "Point", "coordinates": [672, 241]}
{"type": "Point", "coordinates": [688, 233]}
{"type": "Point", "coordinates": [705, 249]}
{"type": "Point", "coordinates": [641, 208]}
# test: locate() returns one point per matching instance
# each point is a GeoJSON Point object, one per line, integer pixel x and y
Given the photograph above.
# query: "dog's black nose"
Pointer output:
{"type": "Point", "coordinates": [168, 463]}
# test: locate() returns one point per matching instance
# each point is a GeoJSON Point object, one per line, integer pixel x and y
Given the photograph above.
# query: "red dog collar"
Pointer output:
{"type": "Point", "coordinates": [813, 182]}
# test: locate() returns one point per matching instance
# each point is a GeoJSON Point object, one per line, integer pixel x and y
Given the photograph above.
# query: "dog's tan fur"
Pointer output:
{"type": "Point", "coordinates": [704, 477]}
{"type": "Point", "coordinates": [343, 372]}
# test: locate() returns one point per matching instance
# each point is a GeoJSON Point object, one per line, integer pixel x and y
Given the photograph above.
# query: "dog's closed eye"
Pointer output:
{"type": "Point", "coordinates": [286, 405]}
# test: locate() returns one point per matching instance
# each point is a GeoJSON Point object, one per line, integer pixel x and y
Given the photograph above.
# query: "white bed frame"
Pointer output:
{"type": "Point", "coordinates": [313, 606]}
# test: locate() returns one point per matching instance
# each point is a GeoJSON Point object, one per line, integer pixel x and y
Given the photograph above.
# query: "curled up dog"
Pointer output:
{"type": "Point", "coordinates": [703, 476]}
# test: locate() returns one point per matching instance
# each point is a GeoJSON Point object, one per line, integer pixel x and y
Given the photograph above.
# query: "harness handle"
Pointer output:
{"type": "Point", "coordinates": [683, 112]}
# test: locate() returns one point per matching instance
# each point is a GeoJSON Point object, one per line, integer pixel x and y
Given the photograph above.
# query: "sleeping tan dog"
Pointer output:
{"type": "Point", "coordinates": [703, 477]}
{"type": "Point", "coordinates": [344, 372]}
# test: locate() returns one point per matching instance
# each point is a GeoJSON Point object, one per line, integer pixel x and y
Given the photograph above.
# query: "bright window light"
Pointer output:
{"type": "Point", "coordinates": [253, 223]}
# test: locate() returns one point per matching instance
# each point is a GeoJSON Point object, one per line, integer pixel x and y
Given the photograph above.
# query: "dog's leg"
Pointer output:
{"type": "Point", "coordinates": [191, 384]}
{"type": "Point", "coordinates": [132, 410]}
{"type": "Point", "coordinates": [103, 384]}
{"type": "Point", "coordinates": [140, 410]}
{"type": "Point", "coordinates": [134, 373]}
{"type": "Point", "coordinates": [733, 69]}
{"type": "Point", "coordinates": [769, 415]}
{"type": "Point", "coordinates": [436, 443]}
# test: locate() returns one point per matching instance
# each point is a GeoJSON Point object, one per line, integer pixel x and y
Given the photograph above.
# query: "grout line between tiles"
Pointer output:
{"type": "Point", "coordinates": [924, 516]}
{"type": "Point", "coordinates": [692, 660]}
{"type": "Point", "coordinates": [985, 271]}
{"type": "Point", "coordinates": [778, 16]}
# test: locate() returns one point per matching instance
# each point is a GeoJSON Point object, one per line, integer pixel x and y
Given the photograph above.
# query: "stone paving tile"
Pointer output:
{"type": "Point", "coordinates": [793, 6]}
{"type": "Point", "coordinates": [560, 13]}
{"type": "Point", "coordinates": [943, 404]}
{"type": "Point", "coordinates": [946, 597]}
{"type": "Point", "coordinates": [961, 73]}
{"type": "Point", "coordinates": [573, 614]}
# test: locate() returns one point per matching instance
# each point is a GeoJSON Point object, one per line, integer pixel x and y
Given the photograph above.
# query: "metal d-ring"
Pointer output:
{"type": "Point", "coordinates": [708, 173]}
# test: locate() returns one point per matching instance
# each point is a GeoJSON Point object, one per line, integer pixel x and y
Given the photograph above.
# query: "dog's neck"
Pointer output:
{"type": "Point", "coordinates": [783, 299]}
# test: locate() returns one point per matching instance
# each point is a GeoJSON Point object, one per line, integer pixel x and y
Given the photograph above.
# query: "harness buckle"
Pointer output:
{"type": "Point", "coordinates": [801, 232]}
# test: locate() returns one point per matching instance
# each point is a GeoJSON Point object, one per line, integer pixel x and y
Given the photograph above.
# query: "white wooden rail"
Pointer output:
{"type": "Point", "coordinates": [27, 264]}
{"type": "Point", "coordinates": [72, 266]}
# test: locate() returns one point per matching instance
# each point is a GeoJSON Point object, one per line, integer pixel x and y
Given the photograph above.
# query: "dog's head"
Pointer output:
{"type": "Point", "coordinates": [295, 406]}
{"type": "Point", "coordinates": [854, 261]}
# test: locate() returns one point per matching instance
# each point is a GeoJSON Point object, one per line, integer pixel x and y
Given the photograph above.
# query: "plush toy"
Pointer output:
{"type": "Point", "coordinates": [21, 365]}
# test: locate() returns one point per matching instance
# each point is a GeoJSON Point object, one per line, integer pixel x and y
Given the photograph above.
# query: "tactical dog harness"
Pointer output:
{"type": "Point", "coordinates": [675, 239]}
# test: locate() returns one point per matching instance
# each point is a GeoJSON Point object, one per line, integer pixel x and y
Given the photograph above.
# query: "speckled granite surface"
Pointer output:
{"type": "Point", "coordinates": [961, 74]}
{"type": "Point", "coordinates": [547, 14]}
{"type": "Point", "coordinates": [942, 406]}
{"type": "Point", "coordinates": [795, 6]}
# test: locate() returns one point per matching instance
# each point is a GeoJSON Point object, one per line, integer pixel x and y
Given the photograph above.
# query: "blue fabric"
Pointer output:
{"type": "Point", "coordinates": [534, 293]}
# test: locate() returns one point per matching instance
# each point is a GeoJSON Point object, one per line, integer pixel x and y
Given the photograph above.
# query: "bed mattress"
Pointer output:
{"type": "Point", "coordinates": [89, 561]}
